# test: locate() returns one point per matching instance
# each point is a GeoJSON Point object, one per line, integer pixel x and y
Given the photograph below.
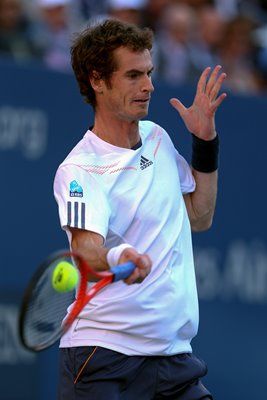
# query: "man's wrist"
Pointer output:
{"type": "Point", "coordinates": [205, 154]}
{"type": "Point", "coordinates": [114, 254]}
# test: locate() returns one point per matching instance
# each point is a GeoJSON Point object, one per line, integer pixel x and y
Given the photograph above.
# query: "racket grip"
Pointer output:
{"type": "Point", "coordinates": [122, 271]}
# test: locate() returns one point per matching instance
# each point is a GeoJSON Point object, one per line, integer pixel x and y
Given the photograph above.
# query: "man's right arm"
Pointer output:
{"type": "Point", "coordinates": [90, 246]}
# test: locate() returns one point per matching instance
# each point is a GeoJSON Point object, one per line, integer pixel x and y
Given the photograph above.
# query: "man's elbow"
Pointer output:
{"type": "Point", "coordinates": [201, 224]}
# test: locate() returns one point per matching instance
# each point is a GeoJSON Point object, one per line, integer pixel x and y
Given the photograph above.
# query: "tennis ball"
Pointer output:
{"type": "Point", "coordinates": [65, 277]}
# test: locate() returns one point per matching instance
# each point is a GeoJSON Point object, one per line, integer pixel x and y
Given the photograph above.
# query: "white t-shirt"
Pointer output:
{"type": "Point", "coordinates": [136, 197]}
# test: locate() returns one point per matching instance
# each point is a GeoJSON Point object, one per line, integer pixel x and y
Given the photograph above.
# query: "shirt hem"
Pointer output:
{"type": "Point", "coordinates": [134, 350]}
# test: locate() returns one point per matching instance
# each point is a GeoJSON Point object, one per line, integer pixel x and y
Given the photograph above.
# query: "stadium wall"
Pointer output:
{"type": "Point", "coordinates": [41, 117]}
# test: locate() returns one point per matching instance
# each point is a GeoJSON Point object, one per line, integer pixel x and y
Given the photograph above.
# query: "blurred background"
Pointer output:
{"type": "Point", "coordinates": [42, 116]}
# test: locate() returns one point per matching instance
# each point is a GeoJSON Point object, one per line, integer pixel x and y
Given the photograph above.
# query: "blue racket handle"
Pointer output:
{"type": "Point", "coordinates": [122, 271]}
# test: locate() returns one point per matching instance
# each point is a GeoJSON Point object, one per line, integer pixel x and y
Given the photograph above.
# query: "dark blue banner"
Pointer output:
{"type": "Point", "coordinates": [42, 116]}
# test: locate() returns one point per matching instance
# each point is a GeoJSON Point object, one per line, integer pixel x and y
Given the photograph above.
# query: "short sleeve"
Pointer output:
{"type": "Point", "coordinates": [81, 201]}
{"type": "Point", "coordinates": [187, 180]}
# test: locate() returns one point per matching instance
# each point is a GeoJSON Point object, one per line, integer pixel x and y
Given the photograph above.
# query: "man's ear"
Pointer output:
{"type": "Point", "coordinates": [96, 82]}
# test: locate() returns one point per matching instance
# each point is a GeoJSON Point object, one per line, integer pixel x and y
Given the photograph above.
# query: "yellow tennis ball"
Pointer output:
{"type": "Point", "coordinates": [65, 277]}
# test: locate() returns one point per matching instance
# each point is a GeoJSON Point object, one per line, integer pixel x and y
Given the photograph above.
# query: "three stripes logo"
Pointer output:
{"type": "Point", "coordinates": [76, 214]}
{"type": "Point", "coordinates": [144, 162]}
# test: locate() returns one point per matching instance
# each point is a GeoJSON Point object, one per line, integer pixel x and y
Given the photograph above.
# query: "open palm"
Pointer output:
{"type": "Point", "coordinates": [199, 117]}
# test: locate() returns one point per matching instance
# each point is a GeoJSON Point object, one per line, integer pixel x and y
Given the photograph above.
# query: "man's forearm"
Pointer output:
{"type": "Point", "coordinates": [201, 203]}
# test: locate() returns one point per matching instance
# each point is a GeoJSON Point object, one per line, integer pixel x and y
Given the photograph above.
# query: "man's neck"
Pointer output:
{"type": "Point", "coordinates": [119, 133]}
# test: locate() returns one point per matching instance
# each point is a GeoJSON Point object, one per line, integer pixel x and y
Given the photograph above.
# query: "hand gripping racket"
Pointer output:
{"type": "Point", "coordinates": [43, 317]}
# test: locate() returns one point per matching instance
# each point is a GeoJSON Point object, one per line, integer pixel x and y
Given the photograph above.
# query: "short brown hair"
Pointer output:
{"type": "Point", "coordinates": [92, 50]}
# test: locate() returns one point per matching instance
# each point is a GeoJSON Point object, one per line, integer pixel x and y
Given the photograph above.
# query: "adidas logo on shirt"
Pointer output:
{"type": "Point", "coordinates": [144, 162]}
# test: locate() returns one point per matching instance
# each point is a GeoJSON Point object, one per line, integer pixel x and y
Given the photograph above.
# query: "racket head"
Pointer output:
{"type": "Point", "coordinates": [45, 313]}
{"type": "Point", "coordinates": [43, 308]}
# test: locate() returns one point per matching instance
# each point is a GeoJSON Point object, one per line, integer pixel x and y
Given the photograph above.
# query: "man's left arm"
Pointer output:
{"type": "Point", "coordinates": [201, 203]}
{"type": "Point", "coordinates": [199, 119]}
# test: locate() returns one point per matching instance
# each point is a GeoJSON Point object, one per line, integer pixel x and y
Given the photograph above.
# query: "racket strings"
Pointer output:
{"type": "Point", "coordinates": [45, 311]}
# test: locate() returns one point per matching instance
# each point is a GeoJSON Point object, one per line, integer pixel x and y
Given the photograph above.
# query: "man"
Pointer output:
{"type": "Point", "coordinates": [136, 201]}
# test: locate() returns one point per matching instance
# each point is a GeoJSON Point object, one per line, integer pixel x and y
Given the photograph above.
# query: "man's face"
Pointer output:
{"type": "Point", "coordinates": [128, 95]}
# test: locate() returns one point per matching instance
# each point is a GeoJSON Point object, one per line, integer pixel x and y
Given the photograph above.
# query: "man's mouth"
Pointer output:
{"type": "Point", "coordinates": [142, 101]}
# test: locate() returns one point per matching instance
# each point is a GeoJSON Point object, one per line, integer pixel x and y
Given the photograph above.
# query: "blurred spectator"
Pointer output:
{"type": "Point", "coordinates": [227, 8]}
{"type": "Point", "coordinates": [127, 10]}
{"type": "Point", "coordinates": [174, 37]}
{"type": "Point", "coordinates": [261, 65]}
{"type": "Point", "coordinates": [260, 41]}
{"type": "Point", "coordinates": [57, 29]}
{"type": "Point", "coordinates": [18, 34]}
{"type": "Point", "coordinates": [263, 7]}
{"type": "Point", "coordinates": [153, 12]}
{"type": "Point", "coordinates": [89, 9]}
{"type": "Point", "coordinates": [196, 4]}
{"type": "Point", "coordinates": [209, 34]}
{"type": "Point", "coordinates": [237, 56]}
{"type": "Point", "coordinates": [86, 11]}
{"type": "Point", "coordinates": [234, 8]}
{"type": "Point", "coordinates": [189, 35]}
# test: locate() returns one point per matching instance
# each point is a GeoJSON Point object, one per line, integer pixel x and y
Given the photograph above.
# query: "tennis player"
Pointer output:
{"type": "Point", "coordinates": [125, 193]}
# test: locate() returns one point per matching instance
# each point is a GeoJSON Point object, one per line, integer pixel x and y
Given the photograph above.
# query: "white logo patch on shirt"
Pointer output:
{"type": "Point", "coordinates": [75, 189]}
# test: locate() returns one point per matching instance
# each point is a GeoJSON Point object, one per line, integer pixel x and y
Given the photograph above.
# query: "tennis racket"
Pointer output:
{"type": "Point", "coordinates": [43, 317]}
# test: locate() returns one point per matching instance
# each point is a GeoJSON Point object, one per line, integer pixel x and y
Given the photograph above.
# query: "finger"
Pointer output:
{"type": "Point", "coordinates": [135, 277]}
{"type": "Point", "coordinates": [143, 268]}
{"type": "Point", "coordinates": [218, 101]}
{"type": "Point", "coordinates": [217, 86]}
{"type": "Point", "coordinates": [132, 278]}
{"type": "Point", "coordinates": [213, 79]}
{"type": "Point", "coordinates": [144, 265]}
{"type": "Point", "coordinates": [178, 106]}
{"type": "Point", "coordinates": [201, 86]}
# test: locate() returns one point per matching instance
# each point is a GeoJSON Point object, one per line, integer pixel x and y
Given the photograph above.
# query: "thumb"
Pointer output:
{"type": "Point", "coordinates": [178, 105]}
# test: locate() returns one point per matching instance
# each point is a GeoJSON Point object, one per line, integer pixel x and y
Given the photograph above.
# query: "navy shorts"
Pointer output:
{"type": "Point", "coordinates": [96, 373]}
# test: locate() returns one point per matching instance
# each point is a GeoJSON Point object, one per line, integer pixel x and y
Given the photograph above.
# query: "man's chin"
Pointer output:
{"type": "Point", "coordinates": [142, 114]}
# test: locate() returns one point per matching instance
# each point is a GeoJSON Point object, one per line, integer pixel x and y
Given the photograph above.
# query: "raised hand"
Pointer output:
{"type": "Point", "coordinates": [199, 118]}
